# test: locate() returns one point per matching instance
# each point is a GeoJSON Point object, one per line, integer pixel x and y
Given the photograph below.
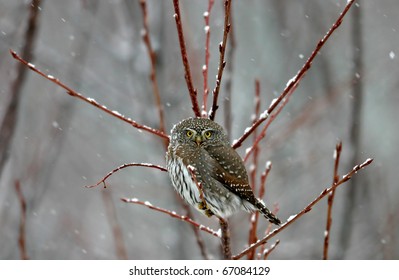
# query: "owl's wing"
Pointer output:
{"type": "Point", "coordinates": [227, 167]}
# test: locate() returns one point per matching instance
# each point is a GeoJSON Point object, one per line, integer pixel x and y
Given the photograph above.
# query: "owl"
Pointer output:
{"type": "Point", "coordinates": [208, 173]}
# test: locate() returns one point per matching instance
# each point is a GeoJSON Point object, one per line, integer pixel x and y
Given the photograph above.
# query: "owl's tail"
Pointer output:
{"type": "Point", "coordinates": [266, 212]}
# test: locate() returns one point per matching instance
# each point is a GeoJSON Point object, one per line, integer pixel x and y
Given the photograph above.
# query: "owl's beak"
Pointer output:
{"type": "Point", "coordinates": [198, 140]}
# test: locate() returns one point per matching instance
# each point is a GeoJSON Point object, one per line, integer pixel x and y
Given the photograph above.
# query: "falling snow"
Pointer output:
{"type": "Point", "coordinates": [391, 55]}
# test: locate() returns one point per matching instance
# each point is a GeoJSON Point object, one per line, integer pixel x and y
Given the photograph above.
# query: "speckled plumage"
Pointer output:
{"type": "Point", "coordinates": [200, 147]}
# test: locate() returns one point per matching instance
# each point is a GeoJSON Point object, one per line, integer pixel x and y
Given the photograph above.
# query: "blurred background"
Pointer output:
{"type": "Point", "coordinates": [52, 144]}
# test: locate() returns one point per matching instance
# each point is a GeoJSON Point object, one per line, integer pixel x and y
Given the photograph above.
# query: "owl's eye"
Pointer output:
{"type": "Point", "coordinates": [189, 133]}
{"type": "Point", "coordinates": [208, 134]}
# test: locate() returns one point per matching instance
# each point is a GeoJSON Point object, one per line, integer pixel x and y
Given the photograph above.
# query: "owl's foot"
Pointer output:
{"type": "Point", "coordinates": [202, 206]}
{"type": "Point", "coordinates": [208, 213]}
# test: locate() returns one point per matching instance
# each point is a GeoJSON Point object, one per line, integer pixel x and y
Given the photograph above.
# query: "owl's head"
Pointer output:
{"type": "Point", "coordinates": [198, 132]}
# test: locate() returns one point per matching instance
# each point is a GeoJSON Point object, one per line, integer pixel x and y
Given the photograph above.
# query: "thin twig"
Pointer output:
{"type": "Point", "coordinates": [293, 83]}
{"type": "Point", "coordinates": [187, 73]}
{"type": "Point", "coordinates": [228, 76]}
{"type": "Point", "coordinates": [337, 155]}
{"type": "Point", "coordinates": [22, 223]}
{"type": "Point", "coordinates": [222, 62]}
{"type": "Point", "coordinates": [153, 76]}
{"type": "Point", "coordinates": [255, 219]}
{"type": "Point", "coordinates": [225, 238]}
{"type": "Point", "coordinates": [110, 210]}
{"type": "Point", "coordinates": [102, 181]}
{"type": "Point", "coordinates": [89, 100]}
{"type": "Point", "coordinates": [172, 214]}
{"type": "Point", "coordinates": [253, 172]}
{"type": "Point", "coordinates": [308, 208]}
{"type": "Point", "coordinates": [205, 67]}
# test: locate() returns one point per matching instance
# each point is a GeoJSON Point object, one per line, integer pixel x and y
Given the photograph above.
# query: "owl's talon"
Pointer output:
{"type": "Point", "coordinates": [208, 213]}
{"type": "Point", "coordinates": [202, 206]}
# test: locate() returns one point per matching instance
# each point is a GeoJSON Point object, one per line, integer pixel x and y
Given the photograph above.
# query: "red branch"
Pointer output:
{"type": "Point", "coordinates": [293, 83]}
{"type": "Point", "coordinates": [222, 62]}
{"type": "Point", "coordinates": [102, 181]}
{"type": "Point", "coordinates": [187, 73]}
{"type": "Point", "coordinates": [89, 100]}
{"type": "Point", "coordinates": [305, 210]}
{"type": "Point", "coordinates": [253, 172]}
{"type": "Point", "coordinates": [337, 155]}
{"type": "Point", "coordinates": [152, 55]}
{"type": "Point", "coordinates": [172, 214]}
{"type": "Point", "coordinates": [22, 223]}
{"type": "Point", "coordinates": [207, 55]}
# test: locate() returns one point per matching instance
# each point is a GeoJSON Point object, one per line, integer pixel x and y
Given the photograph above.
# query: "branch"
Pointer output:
{"type": "Point", "coordinates": [222, 62]}
{"type": "Point", "coordinates": [102, 181]}
{"type": "Point", "coordinates": [253, 172]}
{"type": "Point", "coordinates": [22, 223]}
{"type": "Point", "coordinates": [226, 243]}
{"type": "Point", "coordinates": [153, 77]}
{"type": "Point", "coordinates": [89, 100]}
{"type": "Point", "coordinates": [337, 155]}
{"type": "Point", "coordinates": [293, 83]}
{"type": "Point", "coordinates": [172, 214]}
{"type": "Point", "coordinates": [308, 208]}
{"type": "Point", "coordinates": [187, 73]}
{"type": "Point", "coordinates": [228, 77]}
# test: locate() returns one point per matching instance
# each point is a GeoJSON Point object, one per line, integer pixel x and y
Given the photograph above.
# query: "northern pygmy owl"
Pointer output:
{"type": "Point", "coordinates": [200, 160]}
